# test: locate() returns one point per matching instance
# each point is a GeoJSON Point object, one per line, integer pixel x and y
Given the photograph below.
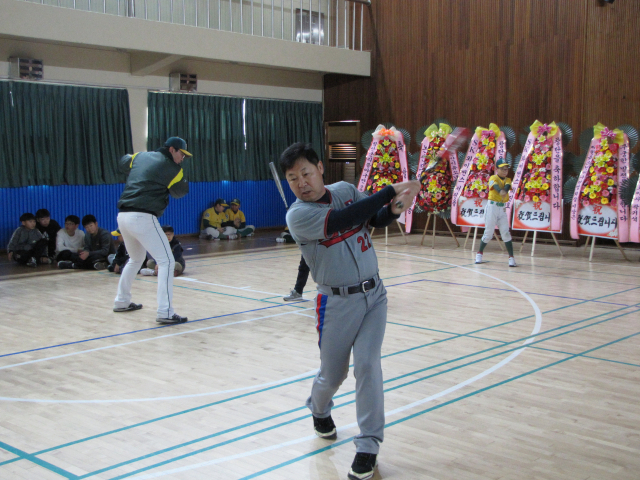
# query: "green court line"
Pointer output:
{"type": "Point", "coordinates": [37, 461]}
{"type": "Point", "coordinates": [532, 266]}
{"type": "Point", "coordinates": [242, 437]}
{"type": "Point", "coordinates": [517, 271]}
{"type": "Point", "coordinates": [305, 378]}
{"type": "Point", "coordinates": [588, 356]}
{"type": "Point", "coordinates": [435, 407]}
{"type": "Point", "coordinates": [444, 331]}
{"type": "Point", "coordinates": [229, 295]}
{"type": "Point", "coordinates": [276, 386]}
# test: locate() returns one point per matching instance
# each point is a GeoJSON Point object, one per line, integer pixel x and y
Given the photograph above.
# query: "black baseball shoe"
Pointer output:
{"type": "Point", "coordinates": [174, 319]}
{"type": "Point", "coordinates": [131, 307]}
{"type": "Point", "coordinates": [325, 428]}
{"type": "Point", "coordinates": [100, 265]}
{"type": "Point", "coordinates": [65, 264]}
{"type": "Point", "coordinates": [31, 262]}
{"type": "Point", "coordinates": [363, 466]}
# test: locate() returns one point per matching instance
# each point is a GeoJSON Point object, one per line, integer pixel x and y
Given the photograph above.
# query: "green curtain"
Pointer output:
{"type": "Point", "coordinates": [273, 125]}
{"type": "Point", "coordinates": [56, 134]}
{"type": "Point", "coordinates": [211, 126]}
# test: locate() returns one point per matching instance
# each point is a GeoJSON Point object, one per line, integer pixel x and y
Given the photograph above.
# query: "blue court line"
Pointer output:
{"type": "Point", "coordinates": [33, 459]}
{"type": "Point", "coordinates": [136, 331]}
{"type": "Point", "coordinates": [435, 407]}
{"type": "Point", "coordinates": [251, 434]}
{"type": "Point", "coordinates": [298, 380]}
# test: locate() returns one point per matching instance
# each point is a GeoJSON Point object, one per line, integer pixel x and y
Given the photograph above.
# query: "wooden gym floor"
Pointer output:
{"type": "Point", "coordinates": [490, 372]}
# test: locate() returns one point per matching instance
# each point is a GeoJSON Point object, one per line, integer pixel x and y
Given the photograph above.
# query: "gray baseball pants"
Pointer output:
{"type": "Point", "coordinates": [344, 322]}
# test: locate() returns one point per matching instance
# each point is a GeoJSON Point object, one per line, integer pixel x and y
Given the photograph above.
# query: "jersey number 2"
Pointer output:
{"type": "Point", "coordinates": [364, 242]}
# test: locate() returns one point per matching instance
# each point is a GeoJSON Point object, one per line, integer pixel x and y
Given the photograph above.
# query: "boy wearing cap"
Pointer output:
{"type": "Point", "coordinates": [211, 226]}
{"type": "Point", "coordinates": [118, 260]}
{"type": "Point", "coordinates": [27, 246]}
{"type": "Point", "coordinates": [152, 177]}
{"type": "Point", "coordinates": [69, 239]}
{"type": "Point", "coordinates": [495, 213]}
{"type": "Point", "coordinates": [237, 220]}
{"type": "Point", "coordinates": [48, 228]}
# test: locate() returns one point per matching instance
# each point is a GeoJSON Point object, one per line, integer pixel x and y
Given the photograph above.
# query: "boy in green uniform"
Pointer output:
{"type": "Point", "coordinates": [495, 213]}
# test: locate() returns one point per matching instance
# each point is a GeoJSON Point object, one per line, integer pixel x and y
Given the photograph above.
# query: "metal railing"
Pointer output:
{"type": "Point", "coordinates": [333, 23]}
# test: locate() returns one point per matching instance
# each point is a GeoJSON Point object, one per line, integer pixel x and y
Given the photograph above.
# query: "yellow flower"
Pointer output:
{"type": "Point", "coordinates": [608, 154]}
{"type": "Point", "coordinates": [529, 166]}
{"type": "Point", "coordinates": [545, 186]}
{"type": "Point", "coordinates": [594, 178]}
{"type": "Point", "coordinates": [597, 188]}
{"type": "Point", "coordinates": [548, 176]}
{"type": "Point", "coordinates": [591, 170]}
{"type": "Point", "coordinates": [379, 147]}
{"type": "Point", "coordinates": [585, 191]}
{"type": "Point", "coordinates": [536, 198]}
{"type": "Point", "coordinates": [610, 182]}
{"type": "Point", "coordinates": [386, 142]}
{"type": "Point", "coordinates": [592, 195]}
{"type": "Point", "coordinates": [375, 164]}
{"type": "Point", "coordinates": [492, 145]}
{"type": "Point", "coordinates": [393, 145]}
{"type": "Point", "coordinates": [395, 177]}
{"type": "Point", "coordinates": [397, 164]}
{"type": "Point", "coordinates": [609, 169]}
{"type": "Point", "coordinates": [604, 200]}
{"type": "Point", "coordinates": [376, 176]}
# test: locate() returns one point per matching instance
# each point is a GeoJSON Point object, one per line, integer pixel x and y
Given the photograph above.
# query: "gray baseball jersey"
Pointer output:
{"type": "Point", "coordinates": [337, 260]}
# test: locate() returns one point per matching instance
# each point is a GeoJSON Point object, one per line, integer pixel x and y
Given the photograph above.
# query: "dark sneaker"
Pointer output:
{"type": "Point", "coordinates": [99, 265]}
{"type": "Point", "coordinates": [31, 262]}
{"type": "Point", "coordinates": [363, 466]}
{"type": "Point", "coordinates": [131, 307]}
{"type": "Point", "coordinates": [175, 319]}
{"type": "Point", "coordinates": [65, 264]}
{"type": "Point", "coordinates": [325, 428]}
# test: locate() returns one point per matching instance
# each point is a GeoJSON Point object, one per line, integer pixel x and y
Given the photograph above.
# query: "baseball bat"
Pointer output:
{"type": "Point", "coordinates": [276, 178]}
{"type": "Point", "coordinates": [455, 140]}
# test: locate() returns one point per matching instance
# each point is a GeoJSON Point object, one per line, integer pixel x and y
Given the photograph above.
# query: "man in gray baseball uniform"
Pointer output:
{"type": "Point", "coordinates": [152, 177]}
{"type": "Point", "coordinates": [331, 224]}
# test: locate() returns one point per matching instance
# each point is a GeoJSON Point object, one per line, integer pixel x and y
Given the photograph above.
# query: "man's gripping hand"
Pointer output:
{"type": "Point", "coordinates": [405, 193]}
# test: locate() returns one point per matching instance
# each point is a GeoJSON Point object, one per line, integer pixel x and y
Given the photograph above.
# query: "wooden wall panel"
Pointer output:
{"type": "Point", "coordinates": [503, 61]}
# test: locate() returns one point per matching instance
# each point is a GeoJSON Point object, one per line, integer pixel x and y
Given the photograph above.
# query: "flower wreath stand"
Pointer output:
{"type": "Point", "coordinates": [537, 182]}
{"type": "Point", "coordinates": [385, 163]}
{"type": "Point", "coordinates": [596, 207]}
{"type": "Point", "coordinates": [437, 176]}
{"type": "Point", "coordinates": [472, 187]}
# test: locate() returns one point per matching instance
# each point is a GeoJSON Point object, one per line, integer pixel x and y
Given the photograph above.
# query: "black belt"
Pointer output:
{"type": "Point", "coordinates": [360, 288]}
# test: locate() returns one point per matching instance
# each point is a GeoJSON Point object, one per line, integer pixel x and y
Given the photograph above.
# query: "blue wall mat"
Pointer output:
{"type": "Point", "coordinates": [261, 204]}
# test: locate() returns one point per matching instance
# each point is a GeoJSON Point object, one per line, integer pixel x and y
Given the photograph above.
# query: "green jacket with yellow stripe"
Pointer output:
{"type": "Point", "coordinates": [152, 177]}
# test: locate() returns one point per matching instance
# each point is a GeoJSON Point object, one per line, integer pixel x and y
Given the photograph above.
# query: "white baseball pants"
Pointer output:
{"type": "Point", "coordinates": [495, 215]}
{"type": "Point", "coordinates": [142, 233]}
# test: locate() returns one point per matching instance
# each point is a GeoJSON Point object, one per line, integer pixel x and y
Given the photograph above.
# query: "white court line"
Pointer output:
{"type": "Point", "coordinates": [245, 289]}
{"type": "Point", "coordinates": [536, 329]}
{"type": "Point", "coordinates": [9, 399]}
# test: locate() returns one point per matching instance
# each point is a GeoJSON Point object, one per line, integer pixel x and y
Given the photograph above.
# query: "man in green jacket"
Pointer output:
{"type": "Point", "coordinates": [152, 177]}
